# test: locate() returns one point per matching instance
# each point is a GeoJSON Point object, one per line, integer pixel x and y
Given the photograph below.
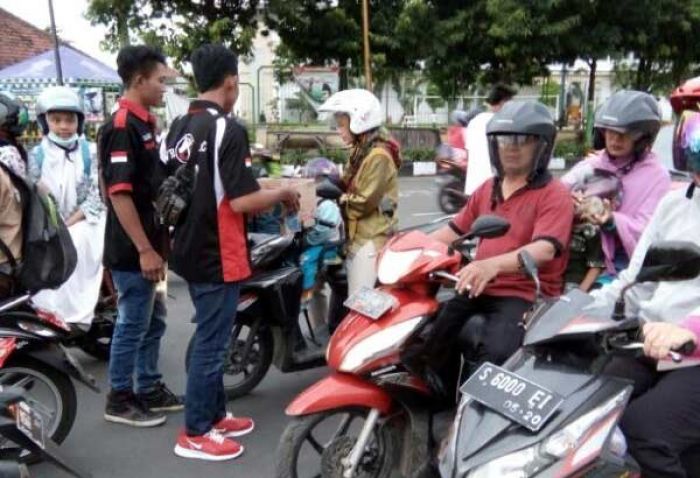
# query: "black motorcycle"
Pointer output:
{"type": "Point", "coordinates": [452, 174]}
{"type": "Point", "coordinates": [33, 358]}
{"type": "Point", "coordinates": [550, 411]}
{"type": "Point", "coordinates": [271, 326]}
{"type": "Point", "coordinates": [23, 426]}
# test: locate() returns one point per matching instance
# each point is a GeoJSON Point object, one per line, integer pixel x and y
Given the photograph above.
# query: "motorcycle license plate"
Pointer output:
{"type": "Point", "coordinates": [371, 303]}
{"type": "Point", "coordinates": [31, 423]}
{"type": "Point", "coordinates": [512, 396]}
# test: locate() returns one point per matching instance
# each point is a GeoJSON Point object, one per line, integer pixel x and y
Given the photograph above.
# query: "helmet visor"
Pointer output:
{"type": "Point", "coordinates": [686, 142]}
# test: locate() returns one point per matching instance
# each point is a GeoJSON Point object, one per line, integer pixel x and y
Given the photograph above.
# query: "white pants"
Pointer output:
{"type": "Point", "coordinates": [362, 268]}
{"type": "Point", "coordinates": [75, 300]}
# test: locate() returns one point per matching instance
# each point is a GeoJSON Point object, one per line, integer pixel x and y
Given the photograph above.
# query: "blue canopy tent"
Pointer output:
{"type": "Point", "coordinates": [97, 83]}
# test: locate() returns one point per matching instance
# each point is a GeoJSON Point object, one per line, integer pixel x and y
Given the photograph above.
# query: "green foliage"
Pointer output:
{"type": "Point", "coordinates": [571, 148]}
{"type": "Point", "coordinates": [177, 26]}
{"type": "Point", "coordinates": [418, 154]}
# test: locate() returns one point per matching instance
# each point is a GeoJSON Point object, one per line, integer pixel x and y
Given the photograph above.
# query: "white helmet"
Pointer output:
{"type": "Point", "coordinates": [58, 98]}
{"type": "Point", "coordinates": [360, 105]}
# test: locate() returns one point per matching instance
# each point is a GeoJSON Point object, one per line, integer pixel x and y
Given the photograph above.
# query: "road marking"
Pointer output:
{"type": "Point", "coordinates": [421, 214]}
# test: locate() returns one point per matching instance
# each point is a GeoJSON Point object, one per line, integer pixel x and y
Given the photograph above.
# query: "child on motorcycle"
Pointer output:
{"type": "Point", "coordinates": [626, 127]}
{"type": "Point", "coordinates": [587, 261]}
{"type": "Point", "coordinates": [318, 243]}
{"type": "Point", "coordinates": [64, 163]}
{"type": "Point", "coordinates": [370, 181]}
{"type": "Point", "coordinates": [663, 418]}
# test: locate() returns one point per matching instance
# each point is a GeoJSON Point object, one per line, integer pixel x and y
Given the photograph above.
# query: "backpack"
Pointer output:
{"type": "Point", "coordinates": [84, 150]}
{"type": "Point", "coordinates": [48, 254]}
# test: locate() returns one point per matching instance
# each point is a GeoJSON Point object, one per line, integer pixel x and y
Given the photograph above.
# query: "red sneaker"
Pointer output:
{"type": "Point", "coordinates": [211, 446]}
{"type": "Point", "coordinates": [230, 426]}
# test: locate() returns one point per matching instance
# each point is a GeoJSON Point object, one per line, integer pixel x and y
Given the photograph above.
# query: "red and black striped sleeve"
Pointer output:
{"type": "Point", "coordinates": [117, 156]}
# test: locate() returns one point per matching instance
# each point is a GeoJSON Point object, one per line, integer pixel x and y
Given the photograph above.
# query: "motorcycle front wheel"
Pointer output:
{"type": "Point", "coordinates": [314, 446]}
{"type": "Point", "coordinates": [47, 391]}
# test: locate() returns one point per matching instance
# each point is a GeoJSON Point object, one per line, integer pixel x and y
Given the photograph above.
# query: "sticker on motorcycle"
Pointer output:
{"type": "Point", "coordinates": [512, 396]}
{"type": "Point", "coordinates": [371, 303]}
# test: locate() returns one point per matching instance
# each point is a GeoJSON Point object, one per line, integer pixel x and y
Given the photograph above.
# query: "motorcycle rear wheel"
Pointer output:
{"type": "Point", "coordinates": [33, 376]}
{"type": "Point", "coordinates": [314, 438]}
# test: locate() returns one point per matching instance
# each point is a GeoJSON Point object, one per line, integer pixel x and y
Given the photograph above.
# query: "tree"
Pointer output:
{"type": "Point", "coordinates": [178, 26]}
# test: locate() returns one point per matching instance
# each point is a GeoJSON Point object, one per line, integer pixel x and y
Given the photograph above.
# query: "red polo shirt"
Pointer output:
{"type": "Point", "coordinates": [541, 210]}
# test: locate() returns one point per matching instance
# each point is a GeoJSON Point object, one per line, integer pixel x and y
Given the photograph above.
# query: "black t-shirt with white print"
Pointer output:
{"type": "Point", "coordinates": [210, 243]}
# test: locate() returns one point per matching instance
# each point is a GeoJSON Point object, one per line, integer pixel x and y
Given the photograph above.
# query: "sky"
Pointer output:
{"type": "Point", "coordinates": [70, 22]}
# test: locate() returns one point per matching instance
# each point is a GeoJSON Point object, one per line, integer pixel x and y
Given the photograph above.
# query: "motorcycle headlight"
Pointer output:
{"type": "Point", "coordinates": [584, 437]}
{"type": "Point", "coordinates": [382, 343]}
{"type": "Point", "coordinates": [393, 265]}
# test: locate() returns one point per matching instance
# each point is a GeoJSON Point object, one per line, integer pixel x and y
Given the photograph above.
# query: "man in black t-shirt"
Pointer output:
{"type": "Point", "coordinates": [135, 244]}
{"type": "Point", "coordinates": [210, 247]}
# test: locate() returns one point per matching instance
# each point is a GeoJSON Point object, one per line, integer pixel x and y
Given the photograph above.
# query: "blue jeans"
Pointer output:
{"type": "Point", "coordinates": [215, 311]}
{"type": "Point", "coordinates": [137, 333]}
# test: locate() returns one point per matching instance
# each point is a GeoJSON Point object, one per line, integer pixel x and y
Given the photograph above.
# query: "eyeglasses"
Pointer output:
{"type": "Point", "coordinates": [515, 140]}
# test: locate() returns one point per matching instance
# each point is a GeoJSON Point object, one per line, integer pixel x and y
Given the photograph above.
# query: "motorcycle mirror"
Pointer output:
{"type": "Point", "coordinates": [670, 261]}
{"type": "Point", "coordinates": [327, 190]}
{"type": "Point", "coordinates": [664, 261]}
{"type": "Point", "coordinates": [488, 227]}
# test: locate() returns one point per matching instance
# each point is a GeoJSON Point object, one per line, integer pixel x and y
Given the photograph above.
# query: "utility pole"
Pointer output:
{"type": "Point", "coordinates": [365, 34]}
{"type": "Point", "coordinates": [57, 55]}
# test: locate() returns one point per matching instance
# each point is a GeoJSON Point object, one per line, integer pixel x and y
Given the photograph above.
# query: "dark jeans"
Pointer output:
{"type": "Point", "coordinates": [137, 333]}
{"type": "Point", "coordinates": [215, 311]}
{"type": "Point", "coordinates": [663, 418]}
{"type": "Point", "coordinates": [496, 339]}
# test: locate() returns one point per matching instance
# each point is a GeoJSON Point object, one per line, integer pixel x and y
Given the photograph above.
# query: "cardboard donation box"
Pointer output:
{"type": "Point", "coordinates": [306, 187]}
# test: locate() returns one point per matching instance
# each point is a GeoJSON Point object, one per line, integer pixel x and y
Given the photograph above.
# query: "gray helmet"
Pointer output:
{"type": "Point", "coordinates": [628, 111]}
{"type": "Point", "coordinates": [523, 117]}
{"type": "Point", "coordinates": [59, 98]}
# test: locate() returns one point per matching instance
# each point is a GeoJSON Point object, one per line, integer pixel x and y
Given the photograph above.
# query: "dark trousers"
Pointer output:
{"type": "Point", "coordinates": [215, 312]}
{"type": "Point", "coordinates": [662, 420]}
{"type": "Point", "coordinates": [493, 339]}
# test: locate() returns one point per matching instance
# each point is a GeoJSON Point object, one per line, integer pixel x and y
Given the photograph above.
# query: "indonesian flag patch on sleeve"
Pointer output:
{"type": "Point", "coordinates": [118, 157]}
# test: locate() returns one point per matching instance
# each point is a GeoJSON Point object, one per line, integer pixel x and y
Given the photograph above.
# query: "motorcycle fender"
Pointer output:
{"type": "Point", "coordinates": [58, 357]}
{"type": "Point", "coordinates": [338, 391]}
{"type": "Point", "coordinates": [7, 346]}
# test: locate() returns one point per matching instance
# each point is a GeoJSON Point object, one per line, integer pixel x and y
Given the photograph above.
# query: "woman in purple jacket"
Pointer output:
{"type": "Point", "coordinates": [626, 127]}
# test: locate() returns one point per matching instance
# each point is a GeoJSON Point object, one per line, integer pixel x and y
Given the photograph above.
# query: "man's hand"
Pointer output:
{"type": "Point", "coordinates": [152, 265]}
{"type": "Point", "coordinates": [578, 198]}
{"type": "Point", "coordinates": [660, 338]}
{"type": "Point", "coordinates": [475, 276]}
{"type": "Point", "coordinates": [290, 199]}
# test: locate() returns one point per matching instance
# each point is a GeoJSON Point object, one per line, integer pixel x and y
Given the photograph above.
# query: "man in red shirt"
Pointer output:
{"type": "Point", "coordinates": [540, 211]}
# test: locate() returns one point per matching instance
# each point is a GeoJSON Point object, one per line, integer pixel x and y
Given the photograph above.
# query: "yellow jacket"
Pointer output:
{"type": "Point", "coordinates": [372, 190]}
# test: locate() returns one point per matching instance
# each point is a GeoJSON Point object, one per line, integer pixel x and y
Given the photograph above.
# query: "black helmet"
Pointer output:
{"type": "Point", "coordinates": [14, 117]}
{"type": "Point", "coordinates": [629, 111]}
{"type": "Point", "coordinates": [523, 117]}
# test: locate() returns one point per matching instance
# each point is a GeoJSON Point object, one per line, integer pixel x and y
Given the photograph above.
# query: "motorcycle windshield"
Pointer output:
{"type": "Point", "coordinates": [483, 435]}
{"type": "Point", "coordinates": [574, 315]}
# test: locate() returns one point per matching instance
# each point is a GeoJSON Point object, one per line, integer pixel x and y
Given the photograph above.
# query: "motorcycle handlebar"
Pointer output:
{"type": "Point", "coordinates": [677, 355]}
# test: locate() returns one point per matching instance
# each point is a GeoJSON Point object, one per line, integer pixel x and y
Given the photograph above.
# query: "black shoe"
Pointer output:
{"type": "Point", "coordinates": [161, 399]}
{"type": "Point", "coordinates": [124, 408]}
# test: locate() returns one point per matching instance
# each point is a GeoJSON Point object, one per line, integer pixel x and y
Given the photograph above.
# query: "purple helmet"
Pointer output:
{"type": "Point", "coordinates": [321, 166]}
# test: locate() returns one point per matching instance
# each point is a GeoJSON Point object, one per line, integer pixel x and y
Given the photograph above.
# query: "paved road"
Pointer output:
{"type": "Point", "coordinates": [113, 451]}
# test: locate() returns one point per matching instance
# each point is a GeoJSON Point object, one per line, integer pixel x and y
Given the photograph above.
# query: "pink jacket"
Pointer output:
{"type": "Point", "coordinates": [642, 189]}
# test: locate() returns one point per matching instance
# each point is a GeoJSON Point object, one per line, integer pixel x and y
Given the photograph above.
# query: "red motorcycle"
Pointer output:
{"type": "Point", "coordinates": [371, 417]}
